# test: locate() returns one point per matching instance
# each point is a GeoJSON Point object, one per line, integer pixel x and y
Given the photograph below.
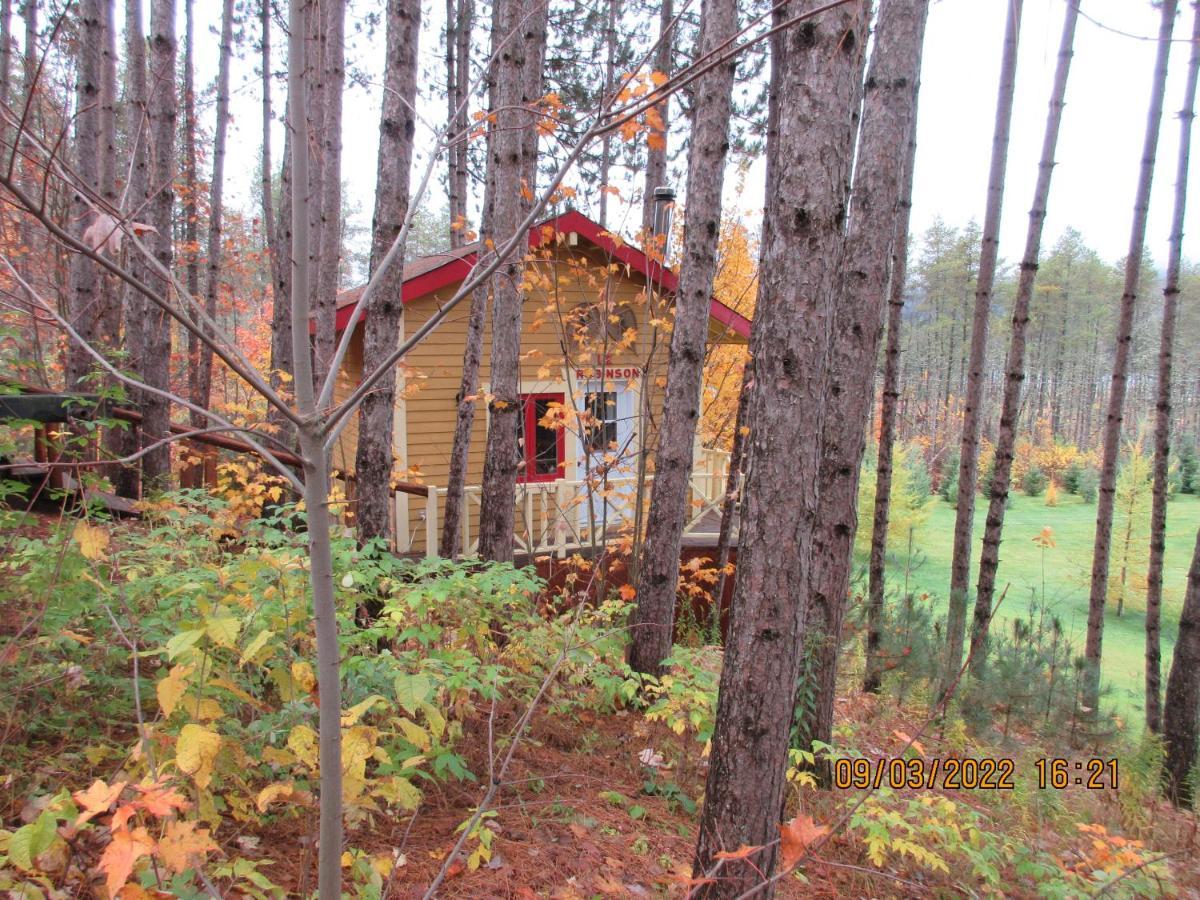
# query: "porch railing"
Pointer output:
{"type": "Point", "coordinates": [563, 516]}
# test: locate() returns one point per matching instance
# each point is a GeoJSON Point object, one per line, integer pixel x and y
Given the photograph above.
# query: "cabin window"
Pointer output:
{"type": "Point", "coordinates": [542, 448]}
{"type": "Point", "coordinates": [600, 430]}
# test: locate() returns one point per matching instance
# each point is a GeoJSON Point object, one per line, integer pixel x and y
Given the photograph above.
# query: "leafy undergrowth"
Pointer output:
{"type": "Point", "coordinates": [202, 779]}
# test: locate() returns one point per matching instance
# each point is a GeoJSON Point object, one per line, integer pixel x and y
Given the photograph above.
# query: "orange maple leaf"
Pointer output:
{"type": "Point", "coordinates": [628, 592]}
{"type": "Point", "coordinates": [796, 836]}
{"type": "Point", "coordinates": [97, 799]}
{"type": "Point", "coordinates": [183, 844]}
{"type": "Point", "coordinates": [126, 848]}
{"type": "Point", "coordinates": [159, 798]}
{"type": "Point", "coordinates": [741, 852]}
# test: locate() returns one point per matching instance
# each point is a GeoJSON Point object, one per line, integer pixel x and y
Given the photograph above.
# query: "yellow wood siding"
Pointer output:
{"type": "Point", "coordinates": [434, 372]}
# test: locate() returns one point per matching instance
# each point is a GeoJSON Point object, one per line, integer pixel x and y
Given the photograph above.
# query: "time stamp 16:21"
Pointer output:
{"type": "Point", "coordinates": [969, 773]}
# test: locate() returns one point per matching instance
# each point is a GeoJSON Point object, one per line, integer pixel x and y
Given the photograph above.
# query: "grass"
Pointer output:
{"type": "Point", "coordinates": [1067, 578]}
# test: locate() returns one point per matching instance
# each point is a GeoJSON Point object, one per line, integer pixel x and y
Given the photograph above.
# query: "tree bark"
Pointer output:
{"type": "Point", "coordinates": [1115, 417]}
{"type": "Point", "coordinates": [162, 105]}
{"type": "Point", "coordinates": [889, 118]}
{"type": "Point", "coordinates": [1180, 725]}
{"type": "Point", "coordinates": [656, 156]}
{"type": "Point", "coordinates": [328, 133]}
{"type": "Point", "coordinates": [381, 327]}
{"type": "Point", "coordinates": [968, 467]}
{"type": "Point", "coordinates": [989, 559]}
{"type": "Point", "coordinates": [191, 476]}
{"type": "Point", "coordinates": [5, 50]}
{"type": "Point", "coordinates": [514, 158]}
{"type": "Point", "coordinates": [816, 78]}
{"type": "Point", "coordinates": [85, 302]}
{"type": "Point", "coordinates": [888, 410]}
{"type": "Point", "coordinates": [135, 306]}
{"type": "Point", "coordinates": [216, 207]}
{"type": "Point", "coordinates": [653, 621]}
{"type": "Point", "coordinates": [1162, 407]}
{"type": "Point", "coordinates": [460, 15]}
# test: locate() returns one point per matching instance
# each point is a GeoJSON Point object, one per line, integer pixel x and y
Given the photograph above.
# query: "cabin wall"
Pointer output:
{"type": "Point", "coordinates": [434, 370]}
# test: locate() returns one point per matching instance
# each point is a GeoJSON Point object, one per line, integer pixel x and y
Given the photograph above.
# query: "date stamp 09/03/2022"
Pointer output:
{"type": "Point", "coordinates": [968, 773]}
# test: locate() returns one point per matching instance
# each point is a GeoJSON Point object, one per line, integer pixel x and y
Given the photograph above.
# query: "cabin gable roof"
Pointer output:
{"type": "Point", "coordinates": [430, 273]}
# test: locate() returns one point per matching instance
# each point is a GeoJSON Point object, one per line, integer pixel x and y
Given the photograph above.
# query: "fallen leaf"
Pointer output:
{"type": "Point", "coordinates": [118, 859]}
{"type": "Point", "coordinates": [796, 836]}
{"type": "Point", "coordinates": [92, 540]}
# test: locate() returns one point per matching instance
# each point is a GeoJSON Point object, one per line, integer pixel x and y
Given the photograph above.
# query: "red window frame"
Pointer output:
{"type": "Point", "coordinates": [527, 473]}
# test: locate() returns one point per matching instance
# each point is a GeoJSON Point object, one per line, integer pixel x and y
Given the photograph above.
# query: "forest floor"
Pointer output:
{"type": "Point", "coordinates": [582, 817]}
{"type": "Point", "coordinates": [1066, 568]}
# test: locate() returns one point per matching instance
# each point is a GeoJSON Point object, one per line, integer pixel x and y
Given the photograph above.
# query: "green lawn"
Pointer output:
{"type": "Point", "coordinates": [1067, 573]}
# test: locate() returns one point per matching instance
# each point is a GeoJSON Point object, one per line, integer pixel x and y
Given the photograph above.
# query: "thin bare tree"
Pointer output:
{"type": "Point", "coordinates": [374, 460]}
{"type": "Point", "coordinates": [460, 18]}
{"type": "Point", "coordinates": [658, 574]}
{"type": "Point", "coordinates": [888, 409]}
{"type": "Point", "coordinates": [888, 120]}
{"type": "Point", "coordinates": [968, 468]}
{"type": "Point", "coordinates": [328, 207]}
{"type": "Point", "coordinates": [816, 77]}
{"type": "Point", "coordinates": [1115, 416]}
{"type": "Point", "coordinates": [989, 560]}
{"type": "Point", "coordinates": [1162, 406]}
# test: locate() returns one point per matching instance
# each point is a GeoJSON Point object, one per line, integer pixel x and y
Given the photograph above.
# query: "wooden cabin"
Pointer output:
{"type": "Point", "coordinates": [596, 328]}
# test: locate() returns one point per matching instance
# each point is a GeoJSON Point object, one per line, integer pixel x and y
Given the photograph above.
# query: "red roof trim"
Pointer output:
{"type": "Point", "coordinates": [456, 270]}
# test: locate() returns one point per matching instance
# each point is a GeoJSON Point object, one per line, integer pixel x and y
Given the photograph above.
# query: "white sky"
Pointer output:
{"type": "Point", "coordinates": [1099, 147]}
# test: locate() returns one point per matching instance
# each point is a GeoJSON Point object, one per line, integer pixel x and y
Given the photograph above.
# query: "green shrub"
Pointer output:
{"type": "Point", "coordinates": [948, 484]}
{"type": "Point", "coordinates": [1087, 485]}
{"type": "Point", "coordinates": [1188, 460]}
{"type": "Point", "coordinates": [1070, 478]}
{"type": "Point", "coordinates": [1034, 483]}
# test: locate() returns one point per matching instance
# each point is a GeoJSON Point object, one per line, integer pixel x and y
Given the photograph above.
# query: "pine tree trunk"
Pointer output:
{"type": "Point", "coordinates": [514, 157]}
{"type": "Point", "coordinates": [85, 281]}
{"type": "Point", "coordinates": [110, 313]}
{"type": "Point", "coordinates": [652, 625]}
{"type": "Point", "coordinates": [656, 156]}
{"type": "Point", "coordinates": [1015, 367]}
{"type": "Point", "coordinates": [816, 78]}
{"type": "Point", "coordinates": [464, 423]}
{"type": "Point", "coordinates": [460, 15]}
{"type": "Point", "coordinates": [5, 50]}
{"type": "Point", "coordinates": [156, 465]}
{"type": "Point", "coordinates": [606, 142]}
{"type": "Point", "coordinates": [327, 129]}
{"type": "Point", "coordinates": [127, 481]}
{"type": "Point", "coordinates": [1182, 707]}
{"type": "Point", "coordinates": [381, 328]}
{"type": "Point", "coordinates": [964, 519]}
{"type": "Point", "coordinates": [216, 207]}
{"type": "Point", "coordinates": [191, 476]}
{"type": "Point", "coordinates": [889, 118]}
{"type": "Point", "coordinates": [1162, 408]}
{"type": "Point", "coordinates": [1115, 416]}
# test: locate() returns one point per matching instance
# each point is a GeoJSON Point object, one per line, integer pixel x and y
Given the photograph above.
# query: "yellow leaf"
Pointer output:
{"type": "Point", "coordinates": [353, 714]}
{"type": "Point", "coordinates": [223, 629]}
{"type": "Point", "coordinates": [171, 688]}
{"type": "Point", "coordinates": [92, 540]}
{"type": "Point", "coordinates": [253, 651]}
{"type": "Point", "coordinates": [303, 676]}
{"type": "Point", "coordinates": [415, 734]}
{"type": "Point", "coordinates": [208, 710]}
{"type": "Point", "coordinates": [302, 741]}
{"type": "Point", "coordinates": [184, 845]}
{"type": "Point", "coordinates": [398, 791]}
{"type": "Point", "coordinates": [196, 751]}
{"type": "Point", "coordinates": [274, 793]}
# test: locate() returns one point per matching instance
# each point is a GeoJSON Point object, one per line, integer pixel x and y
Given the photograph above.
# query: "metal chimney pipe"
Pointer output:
{"type": "Point", "coordinates": [664, 210]}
